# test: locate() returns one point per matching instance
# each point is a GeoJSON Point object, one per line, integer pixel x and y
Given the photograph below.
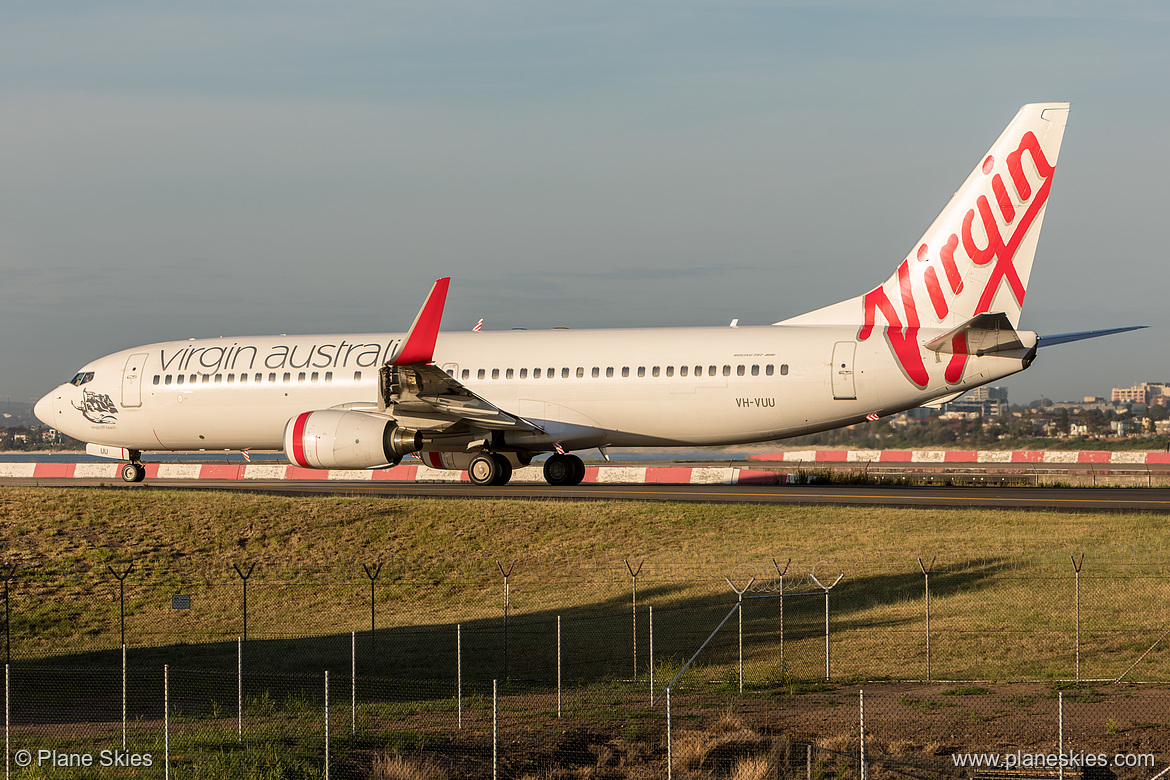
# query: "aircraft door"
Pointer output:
{"type": "Point", "coordinates": [842, 368]}
{"type": "Point", "coordinates": [132, 380]}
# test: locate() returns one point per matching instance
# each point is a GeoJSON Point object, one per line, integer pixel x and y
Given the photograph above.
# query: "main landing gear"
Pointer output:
{"type": "Point", "coordinates": [564, 470]}
{"type": "Point", "coordinates": [133, 471]}
{"type": "Point", "coordinates": [489, 469]}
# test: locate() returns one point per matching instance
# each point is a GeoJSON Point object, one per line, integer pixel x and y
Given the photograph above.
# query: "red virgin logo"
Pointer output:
{"type": "Point", "coordinates": [984, 255]}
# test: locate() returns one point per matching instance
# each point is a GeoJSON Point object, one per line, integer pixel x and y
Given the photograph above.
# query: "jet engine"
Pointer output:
{"type": "Point", "coordinates": [337, 439]}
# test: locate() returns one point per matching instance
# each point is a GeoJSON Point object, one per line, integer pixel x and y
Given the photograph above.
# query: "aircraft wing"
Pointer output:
{"type": "Point", "coordinates": [417, 393]}
{"type": "Point", "coordinates": [423, 395]}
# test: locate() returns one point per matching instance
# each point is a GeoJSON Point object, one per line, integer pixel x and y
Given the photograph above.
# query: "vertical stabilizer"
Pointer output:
{"type": "Point", "coordinates": [976, 257]}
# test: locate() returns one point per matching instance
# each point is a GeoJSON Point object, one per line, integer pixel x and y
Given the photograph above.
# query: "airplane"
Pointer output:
{"type": "Point", "coordinates": [486, 402]}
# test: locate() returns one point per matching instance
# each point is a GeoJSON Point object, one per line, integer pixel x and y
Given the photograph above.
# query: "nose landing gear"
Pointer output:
{"type": "Point", "coordinates": [133, 471]}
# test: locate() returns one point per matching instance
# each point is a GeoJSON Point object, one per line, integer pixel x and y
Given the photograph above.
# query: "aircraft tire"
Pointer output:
{"type": "Point", "coordinates": [578, 469]}
{"type": "Point", "coordinates": [133, 472]}
{"type": "Point", "coordinates": [505, 467]}
{"type": "Point", "coordinates": [484, 470]}
{"type": "Point", "coordinates": [564, 470]}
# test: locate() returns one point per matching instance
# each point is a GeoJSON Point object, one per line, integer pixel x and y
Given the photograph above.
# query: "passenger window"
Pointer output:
{"type": "Point", "coordinates": [712, 370]}
{"type": "Point", "coordinates": [641, 371]}
{"type": "Point", "coordinates": [564, 373]}
{"type": "Point", "coordinates": [466, 373]}
{"type": "Point", "coordinates": [740, 370]}
{"type": "Point", "coordinates": [206, 378]}
{"type": "Point", "coordinates": [670, 370]}
{"type": "Point", "coordinates": [769, 369]}
{"type": "Point", "coordinates": [495, 373]}
{"type": "Point", "coordinates": [655, 371]}
{"type": "Point", "coordinates": [357, 376]}
{"type": "Point", "coordinates": [596, 372]}
{"type": "Point", "coordinates": [243, 378]}
{"type": "Point", "coordinates": [783, 369]}
{"type": "Point", "coordinates": [551, 373]}
{"type": "Point", "coordinates": [524, 373]}
{"type": "Point", "coordinates": [509, 373]}
{"type": "Point", "coordinates": [727, 371]}
{"type": "Point", "coordinates": [480, 374]}
{"type": "Point", "coordinates": [536, 373]}
{"type": "Point", "coordinates": [272, 377]}
{"type": "Point", "coordinates": [625, 371]}
{"type": "Point", "coordinates": [191, 379]}
{"type": "Point", "coordinates": [755, 370]}
{"type": "Point", "coordinates": [219, 379]}
{"type": "Point", "coordinates": [315, 377]}
{"type": "Point", "coordinates": [157, 379]}
{"type": "Point", "coordinates": [287, 377]}
{"type": "Point", "coordinates": [682, 370]}
{"type": "Point", "coordinates": [609, 372]}
{"type": "Point", "coordinates": [451, 372]}
{"type": "Point", "coordinates": [328, 376]}
{"type": "Point", "coordinates": [699, 370]}
{"type": "Point", "coordinates": [231, 379]}
{"type": "Point", "coordinates": [180, 379]}
{"type": "Point", "coordinates": [168, 379]}
{"type": "Point", "coordinates": [580, 372]}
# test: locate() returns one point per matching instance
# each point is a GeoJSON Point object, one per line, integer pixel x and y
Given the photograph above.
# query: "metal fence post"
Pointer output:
{"type": "Point", "coordinates": [121, 578]}
{"type": "Point", "coordinates": [634, 576]}
{"type": "Point", "coordinates": [861, 707]}
{"type": "Point", "coordinates": [781, 572]}
{"type": "Point", "coordinates": [373, 636]}
{"type": "Point", "coordinates": [245, 577]}
{"type": "Point", "coordinates": [352, 682]}
{"type": "Point", "coordinates": [240, 690]}
{"type": "Point", "coordinates": [1077, 568]}
{"type": "Point", "coordinates": [669, 741]}
{"type": "Point", "coordinates": [123, 696]}
{"type": "Point", "coordinates": [827, 588]}
{"type": "Point", "coordinates": [739, 604]}
{"type": "Point", "coordinates": [651, 652]}
{"type": "Point", "coordinates": [1060, 727]}
{"type": "Point", "coordinates": [166, 722]}
{"type": "Point", "coordinates": [326, 724]}
{"type": "Point", "coordinates": [495, 730]}
{"type": "Point", "coordinates": [558, 666]}
{"type": "Point", "coordinates": [9, 573]}
{"type": "Point", "coordinates": [7, 725]}
{"type": "Point", "coordinates": [506, 574]}
{"type": "Point", "coordinates": [926, 579]}
{"type": "Point", "coordinates": [459, 670]}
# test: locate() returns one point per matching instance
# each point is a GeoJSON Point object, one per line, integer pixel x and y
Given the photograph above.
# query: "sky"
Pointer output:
{"type": "Point", "coordinates": [170, 171]}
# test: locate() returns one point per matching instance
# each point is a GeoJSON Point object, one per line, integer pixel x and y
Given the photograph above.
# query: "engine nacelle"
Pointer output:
{"type": "Point", "coordinates": [460, 461]}
{"type": "Point", "coordinates": [336, 439]}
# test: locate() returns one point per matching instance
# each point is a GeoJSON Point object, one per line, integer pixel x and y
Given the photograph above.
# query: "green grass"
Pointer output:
{"type": "Point", "coordinates": [1001, 590]}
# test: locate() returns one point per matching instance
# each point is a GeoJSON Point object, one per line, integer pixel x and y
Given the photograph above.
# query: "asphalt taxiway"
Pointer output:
{"type": "Point", "coordinates": [1156, 500]}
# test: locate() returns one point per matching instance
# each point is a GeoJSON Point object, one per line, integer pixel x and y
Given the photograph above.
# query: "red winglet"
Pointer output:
{"type": "Point", "coordinates": [419, 346]}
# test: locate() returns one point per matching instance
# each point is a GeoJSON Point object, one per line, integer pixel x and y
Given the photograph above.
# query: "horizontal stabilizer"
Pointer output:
{"type": "Point", "coordinates": [983, 334]}
{"type": "Point", "coordinates": [1065, 338]}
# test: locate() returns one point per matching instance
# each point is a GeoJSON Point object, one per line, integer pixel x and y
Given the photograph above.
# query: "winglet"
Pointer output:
{"type": "Point", "coordinates": [419, 345]}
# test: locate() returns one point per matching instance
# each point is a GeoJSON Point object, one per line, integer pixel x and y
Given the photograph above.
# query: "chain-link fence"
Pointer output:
{"type": "Point", "coordinates": [541, 668]}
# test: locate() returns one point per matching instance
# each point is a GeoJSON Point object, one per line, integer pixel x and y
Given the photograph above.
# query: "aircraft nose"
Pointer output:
{"type": "Point", "coordinates": [44, 409]}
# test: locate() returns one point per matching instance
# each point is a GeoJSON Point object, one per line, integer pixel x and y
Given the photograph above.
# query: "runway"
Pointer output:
{"type": "Point", "coordinates": [1155, 500]}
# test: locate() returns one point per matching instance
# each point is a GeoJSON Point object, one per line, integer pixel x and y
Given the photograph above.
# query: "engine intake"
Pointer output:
{"type": "Point", "coordinates": [336, 439]}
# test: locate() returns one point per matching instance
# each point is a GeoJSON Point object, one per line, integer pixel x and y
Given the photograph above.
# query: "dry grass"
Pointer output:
{"type": "Point", "coordinates": [395, 767]}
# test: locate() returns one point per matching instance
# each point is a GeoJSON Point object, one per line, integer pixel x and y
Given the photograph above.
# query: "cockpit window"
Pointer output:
{"type": "Point", "coordinates": [81, 379]}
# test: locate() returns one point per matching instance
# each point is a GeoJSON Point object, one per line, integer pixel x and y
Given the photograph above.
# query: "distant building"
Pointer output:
{"type": "Point", "coordinates": [987, 402]}
{"type": "Point", "coordinates": [1143, 393]}
{"type": "Point", "coordinates": [1093, 399]}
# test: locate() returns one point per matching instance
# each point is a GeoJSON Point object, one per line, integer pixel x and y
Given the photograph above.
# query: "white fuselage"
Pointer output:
{"type": "Point", "coordinates": [589, 388]}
